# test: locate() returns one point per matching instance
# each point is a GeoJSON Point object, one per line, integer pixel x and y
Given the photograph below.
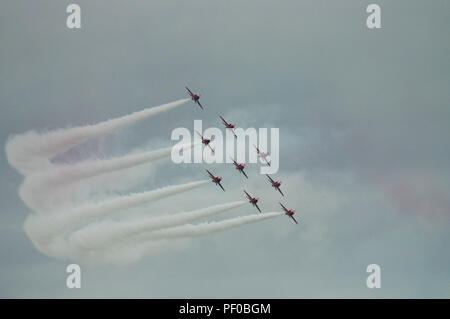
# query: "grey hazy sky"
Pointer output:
{"type": "Point", "coordinates": [363, 117]}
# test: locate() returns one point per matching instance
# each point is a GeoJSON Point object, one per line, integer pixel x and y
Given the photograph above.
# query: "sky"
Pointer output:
{"type": "Point", "coordinates": [364, 140]}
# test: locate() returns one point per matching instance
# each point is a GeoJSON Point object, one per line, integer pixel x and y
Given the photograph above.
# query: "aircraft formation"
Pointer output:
{"type": "Point", "coordinates": [240, 166]}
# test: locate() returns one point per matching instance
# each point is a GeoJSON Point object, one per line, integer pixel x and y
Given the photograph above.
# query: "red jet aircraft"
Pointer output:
{"type": "Point", "coordinates": [216, 179]}
{"type": "Point", "coordinates": [239, 167]}
{"type": "Point", "coordinates": [275, 184]}
{"type": "Point", "coordinates": [263, 155]}
{"type": "Point", "coordinates": [228, 125]}
{"type": "Point", "coordinates": [253, 200]}
{"type": "Point", "coordinates": [205, 141]}
{"type": "Point", "coordinates": [194, 97]}
{"type": "Point", "coordinates": [289, 212]}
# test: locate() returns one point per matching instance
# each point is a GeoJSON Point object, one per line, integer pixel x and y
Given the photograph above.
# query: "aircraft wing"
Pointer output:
{"type": "Point", "coordinates": [210, 175]}
{"type": "Point", "coordinates": [223, 120]}
{"type": "Point", "coordinates": [212, 150]}
{"type": "Point", "coordinates": [249, 197]}
{"type": "Point", "coordinates": [256, 205]}
{"type": "Point", "coordinates": [199, 104]}
{"type": "Point", "coordinates": [270, 178]}
{"type": "Point", "coordinates": [221, 186]}
{"type": "Point", "coordinates": [285, 209]}
{"type": "Point", "coordinates": [293, 219]}
{"type": "Point", "coordinates": [257, 149]}
{"type": "Point", "coordinates": [244, 174]}
{"type": "Point", "coordinates": [268, 163]}
{"type": "Point", "coordinates": [200, 135]}
{"type": "Point", "coordinates": [190, 93]}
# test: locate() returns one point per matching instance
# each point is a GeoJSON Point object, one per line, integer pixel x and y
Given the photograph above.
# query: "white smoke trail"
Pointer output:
{"type": "Point", "coordinates": [134, 247]}
{"type": "Point", "coordinates": [104, 234]}
{"type": "Point", "coordinates": [36, 190]}
{"type": "Point", "coordinates": [45, 227]}
{"type": "Point", "coordinates": [206, 228]}
{"type": "Point", "coordinates": [121, 254]}
{"type": "Point", "coordinates": [31, 151]}
{"type": "Point", "coordinates": [64, 230]}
